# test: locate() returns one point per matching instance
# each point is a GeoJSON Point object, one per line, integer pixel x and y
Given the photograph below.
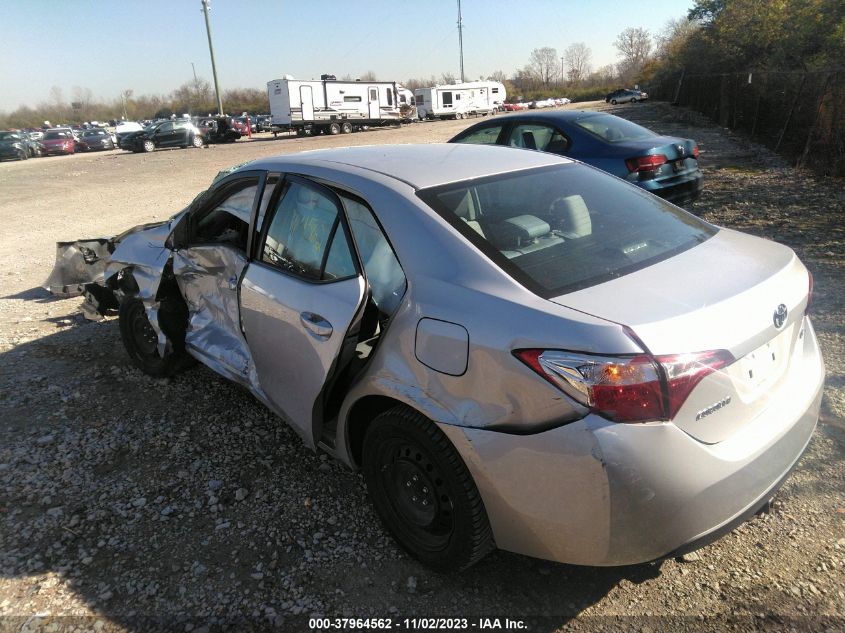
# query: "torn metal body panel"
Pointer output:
{"type": "Point", "coordinates": [208, 277]}
{"type": "Point", "coordinates": [78, 263]}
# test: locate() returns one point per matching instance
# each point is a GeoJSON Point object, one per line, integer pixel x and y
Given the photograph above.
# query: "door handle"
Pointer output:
{"type": "Point", "coordinates": [316, 324]}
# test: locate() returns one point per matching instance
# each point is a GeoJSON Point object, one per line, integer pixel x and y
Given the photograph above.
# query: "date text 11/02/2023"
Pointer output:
{"type": "Point", "coordinates": [415, 624]}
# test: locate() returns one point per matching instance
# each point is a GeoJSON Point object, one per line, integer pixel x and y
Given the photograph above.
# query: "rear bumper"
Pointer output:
{"type": "Point", "coordinates": [598, 493]}
{"type": "Point", "coordinates": [679, 191]}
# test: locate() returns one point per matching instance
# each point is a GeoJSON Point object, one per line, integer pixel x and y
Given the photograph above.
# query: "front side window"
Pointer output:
{"type": "Point", "coordinates": [306, 236]}
{"type": "Point", "coordinates": [561, 228]}
{"type": "Point", "coordinates": [227, 220]}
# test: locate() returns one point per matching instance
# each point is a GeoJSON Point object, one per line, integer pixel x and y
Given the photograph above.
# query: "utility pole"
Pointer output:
{"type": "Point", "coordinates": [194, 68]}
{"type": "Point", "coordinates": [461, 40]}
{"type": "Point", "coordinates": [213, 64]}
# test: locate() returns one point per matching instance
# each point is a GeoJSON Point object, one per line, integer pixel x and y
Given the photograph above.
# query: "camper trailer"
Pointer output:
{"type": "Point", "coordinates": [329, 106]}
{"type": "Point", "coordinates": [455, 101]}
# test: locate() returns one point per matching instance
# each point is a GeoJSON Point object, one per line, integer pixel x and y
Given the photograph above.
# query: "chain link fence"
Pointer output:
{"type": "Point", "coordinates": [800, 115]}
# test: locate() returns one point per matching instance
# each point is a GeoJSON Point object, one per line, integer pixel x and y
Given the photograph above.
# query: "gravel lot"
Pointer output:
{"type": "Point", "coordinates": [139, 504]}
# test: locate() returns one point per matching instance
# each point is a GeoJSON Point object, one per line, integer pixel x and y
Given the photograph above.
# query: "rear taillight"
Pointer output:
{"type": "Point", "coordinates": [645, 163]}
{"type": "Point", "coordinates": [695, 151]}
{"type": "Point", "coordinates": [809, 294]}
{"type": "Point", "coordinates": [626, 389]}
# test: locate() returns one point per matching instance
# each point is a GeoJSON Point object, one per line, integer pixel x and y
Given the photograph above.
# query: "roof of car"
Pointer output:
{"type": "Point", "coordinates": [420, 166]}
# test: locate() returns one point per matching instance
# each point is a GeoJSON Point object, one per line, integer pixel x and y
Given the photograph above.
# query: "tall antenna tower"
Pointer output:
{"type": "Point", "coordinates": [461, 40]}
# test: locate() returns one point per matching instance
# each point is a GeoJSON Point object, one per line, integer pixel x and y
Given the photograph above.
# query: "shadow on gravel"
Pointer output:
{"type": "Point", "coordinates": [188, 499]}
{"type": "Point", "coordinates": [37, 294]}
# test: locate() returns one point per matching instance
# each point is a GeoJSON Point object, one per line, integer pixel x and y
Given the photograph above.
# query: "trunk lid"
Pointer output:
{"type": "Point", "coordinates": [679, 153]}
{"type": "Point", "coordinates": [720, 295]}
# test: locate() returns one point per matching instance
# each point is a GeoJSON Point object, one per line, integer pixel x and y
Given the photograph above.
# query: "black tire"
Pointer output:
{"type": "Point", "coordinates": [613, 102]}
{"type": "Point", "coordinates": [346, 127]}
{"type": "Point", "coordinates": [22, 155]}
{"type": "Point", "coordinates": [196, 141]}
{"type": "Point", "coordinates": [148, 146]}
{"type": "Point", "coordinates": [633, 99]}
{"type": "Point", "coordinates": [334, 128]}
{"type": "Point", "coordinates": [423, 492]}
{"type": "Point", "coordinates": [141, 343]}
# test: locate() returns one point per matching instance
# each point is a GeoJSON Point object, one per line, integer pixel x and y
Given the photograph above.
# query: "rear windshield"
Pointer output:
{"type": "Point", "coordinates": [566, 227]}
{"type": "Point", "coordinates": [57, 134]}
{"type": "Point", "coordinates": [613, 129]}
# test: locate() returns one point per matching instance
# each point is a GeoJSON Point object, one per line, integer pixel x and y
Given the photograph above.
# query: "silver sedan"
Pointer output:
{"type": "Point", "coordinates": [518, 350]}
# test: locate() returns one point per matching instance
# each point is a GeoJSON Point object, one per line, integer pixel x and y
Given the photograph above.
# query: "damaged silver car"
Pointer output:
{"type": "Point", "coordinates": [519, 350]}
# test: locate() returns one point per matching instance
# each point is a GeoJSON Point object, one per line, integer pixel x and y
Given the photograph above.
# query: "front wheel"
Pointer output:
{"type": "Point", "coordinates": [613, 102]}
{"type": "Point", "coordinates": [149, 146]}
{"type": "Point", "coordinates": [141, 342]}
{"type": "Point", "coordinates": [633, 99]}
{"type": "Point", "coordinates": [196, 141]}
{"type": "Point", "coordinates": [334, 129]}
{"type": "Point", "coordinates": [423, 492]}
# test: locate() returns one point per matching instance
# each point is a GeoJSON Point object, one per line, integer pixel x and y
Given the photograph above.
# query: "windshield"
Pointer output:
{"type": "Point", "coordinates": [54, 134]}
{"type": "Point", "coordinates": [94, 133]}
{"type": "Point", "coordinates": [562, 228]}
{"type": "Point", "coordinates": [613, 129]}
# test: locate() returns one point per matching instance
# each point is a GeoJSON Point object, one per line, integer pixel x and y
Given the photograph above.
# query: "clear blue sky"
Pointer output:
{"type": "Point", "coordinates": [148, 45]}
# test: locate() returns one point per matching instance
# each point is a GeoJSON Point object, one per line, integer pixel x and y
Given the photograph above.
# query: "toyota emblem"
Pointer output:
{"type": "Point", "coordinates": [779, 317]}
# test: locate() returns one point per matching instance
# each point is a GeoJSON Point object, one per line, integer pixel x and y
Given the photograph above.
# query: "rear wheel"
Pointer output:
{"type": "Point", "coordinates": [149, 146]}
{"type": "Point", "coordinates": [423, 492]}
{"type": "Point", "coordinates": [346, 127]}
{"type": "Point", "coordinates": [334, 128]}
{"type": "Point", "coordinates": [633, 99]}
{"type": "Point", "coordinates": [141, 341]}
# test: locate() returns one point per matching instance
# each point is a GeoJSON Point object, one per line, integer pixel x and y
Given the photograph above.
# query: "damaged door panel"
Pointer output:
{"type": "Point", "coordinates": [208, 278]}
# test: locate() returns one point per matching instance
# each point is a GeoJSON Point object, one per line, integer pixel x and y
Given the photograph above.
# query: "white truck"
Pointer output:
{"type": "Point", "coordinates": [328, 106]}
{"type": "Point", "coordinates": [456, 101]}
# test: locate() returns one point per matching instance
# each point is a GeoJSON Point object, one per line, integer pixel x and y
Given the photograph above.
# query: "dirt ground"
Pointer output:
{"type": "Point", "coordinates": [133, 504]}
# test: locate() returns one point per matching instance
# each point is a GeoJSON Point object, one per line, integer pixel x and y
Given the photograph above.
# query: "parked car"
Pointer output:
{"type": "Point", "coordinates": [263, 123]}
{"type": "Point", "coordinates": [58, 141]}
{"type": "Point", "coordinates": [240, 124]}
{"type": "Point", "coordinates": [664, 165]}
{"type": "Point", "coordinates": [583, 372]}
{"type": "Point", "coordinates": [124, 128]}
{"type": "Point", "coordinates": [15, 145]}
{"type": "Point", "coordinates": [178, 133]}
{"type": "Point", "coordinates": [514, 107]}
{"type": "Point", "coordinates": [625, 95]}
{"type": "Point", "coordinates": [94, 139]}
{"type": "Point", "coordinates": [218, 130]}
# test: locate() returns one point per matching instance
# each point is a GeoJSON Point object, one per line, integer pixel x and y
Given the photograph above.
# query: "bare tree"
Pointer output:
{"type": "Point", "coordinates": [448, 78]}
{"type": "Point", "coordinates": [577, 59]}
{"type": "Point", "coordinates": [543, 63]}
{"type": "Point", "coordinates": [368, 76]}
{"type": "Point", "coordinates": [674, 35]}
{"type": "Point", "coordinates": [634, 46]}
{"type": "Point", "coordinates": [497, 75]}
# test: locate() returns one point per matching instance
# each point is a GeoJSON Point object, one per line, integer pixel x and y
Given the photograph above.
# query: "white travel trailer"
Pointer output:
{"type": "Point", "coordinates": [455, 101]}
{"type": "Point", "coordinates": [333, 107]}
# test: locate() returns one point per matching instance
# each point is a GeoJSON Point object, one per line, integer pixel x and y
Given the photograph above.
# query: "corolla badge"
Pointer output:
{"type": "Point", "coordinates": [779, 317]}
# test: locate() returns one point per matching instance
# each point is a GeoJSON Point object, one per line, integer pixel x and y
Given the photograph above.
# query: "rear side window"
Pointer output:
{"type": "Point", "coordinates": [306, 236]}
{"type": "Point", "coordinates": [538, 136]}
{"type": "Point", "coordinates": [485, 136]}
{"type": "Point", "coordinates": [566, 227]}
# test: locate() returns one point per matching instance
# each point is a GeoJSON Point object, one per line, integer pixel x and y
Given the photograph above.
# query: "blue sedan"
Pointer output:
{"type": "Point", "coordinates": [664, 165]}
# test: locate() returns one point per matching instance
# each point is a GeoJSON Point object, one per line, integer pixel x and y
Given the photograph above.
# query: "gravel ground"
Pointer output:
{"type": "Point", "coordinates": [130, 504]}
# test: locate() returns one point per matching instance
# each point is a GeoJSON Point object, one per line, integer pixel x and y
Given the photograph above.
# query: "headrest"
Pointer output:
{"type": "Point", "coordinates": [573, 216]}
{"type": "Point", "coordinates": [306, 195]}
{"type": "Point", "coordinates": [528, 227]}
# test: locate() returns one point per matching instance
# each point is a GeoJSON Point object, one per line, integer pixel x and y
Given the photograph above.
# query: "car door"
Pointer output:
{"type": "Point", "coordinates": [302, 297]}
{"type": "Point", "coordinates": [163, 135]}
{"type": "Point", "coordinates": [209, 259]}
